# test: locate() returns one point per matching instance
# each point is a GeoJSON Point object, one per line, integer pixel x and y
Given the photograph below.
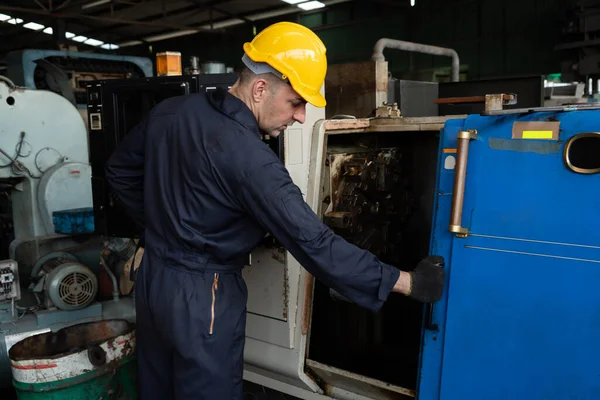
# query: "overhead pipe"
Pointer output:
{"type": "Point", "coordinates": [384, 43]}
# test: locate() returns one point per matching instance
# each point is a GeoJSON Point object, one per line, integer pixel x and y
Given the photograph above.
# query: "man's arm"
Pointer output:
{"type": "Point", "coordinates": [125, 173]}
{"type": "Point", "coordinates": [269, 194]}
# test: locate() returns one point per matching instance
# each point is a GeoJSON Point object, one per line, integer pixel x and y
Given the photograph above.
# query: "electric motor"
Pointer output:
{"type": "Point", "coordinates": [71, 286]}
{"type": "Point", "coordinates": [65, 282]}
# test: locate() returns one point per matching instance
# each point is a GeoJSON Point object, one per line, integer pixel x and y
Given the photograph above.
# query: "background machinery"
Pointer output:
{"type": "Point", "coordinates": [67, 247]}
{"type": "Point", "coordinates": [57, 271]}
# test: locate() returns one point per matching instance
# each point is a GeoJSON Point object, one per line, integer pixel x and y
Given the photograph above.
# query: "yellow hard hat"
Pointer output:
{"type": "Point", "coordinates": [296, 53]}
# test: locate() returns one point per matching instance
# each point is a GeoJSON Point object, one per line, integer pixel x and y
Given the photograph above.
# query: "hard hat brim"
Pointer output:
{"type": "Point", "coordinates": [317, 100]}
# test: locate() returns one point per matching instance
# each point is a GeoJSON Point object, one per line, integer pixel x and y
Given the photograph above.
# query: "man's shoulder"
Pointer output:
{"type": "Point", "coordinates": [180, 105]}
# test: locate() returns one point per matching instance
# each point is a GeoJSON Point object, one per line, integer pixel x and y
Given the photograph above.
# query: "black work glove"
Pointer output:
{"type": "Point", "coordinates": [427, 280]}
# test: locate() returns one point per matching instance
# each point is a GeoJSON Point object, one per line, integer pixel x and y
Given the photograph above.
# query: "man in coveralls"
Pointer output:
{"type": "Point", "coordinates": [204, 187]}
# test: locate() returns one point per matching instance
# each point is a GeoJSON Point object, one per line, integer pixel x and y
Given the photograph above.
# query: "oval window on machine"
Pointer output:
{"type": "Point", "coordinates": [582, 153]}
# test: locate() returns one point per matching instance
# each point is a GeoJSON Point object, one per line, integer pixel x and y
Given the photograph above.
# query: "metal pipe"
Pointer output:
{"type": "Point", "coordinates": [383, 43]}
{"type": "Point", "coordinates": [113, 278]}
{"type": "Point", "coordinates": [94, 4]}
{"type": "Point", "coordinates": [8, 82]}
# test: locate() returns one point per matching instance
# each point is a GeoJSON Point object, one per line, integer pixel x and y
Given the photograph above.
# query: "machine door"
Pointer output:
{"type": "Point", "coordinates": [521, 315]}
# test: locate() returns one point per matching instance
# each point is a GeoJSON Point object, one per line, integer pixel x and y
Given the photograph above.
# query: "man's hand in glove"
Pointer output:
{"type": "Point", "coordinates": [425, 283]}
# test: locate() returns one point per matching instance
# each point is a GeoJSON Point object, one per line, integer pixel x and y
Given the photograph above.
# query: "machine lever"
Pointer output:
{"type": "Point", "coordinates": [429, 325]}
{"type": "Point", "coordinates": [460, 176]}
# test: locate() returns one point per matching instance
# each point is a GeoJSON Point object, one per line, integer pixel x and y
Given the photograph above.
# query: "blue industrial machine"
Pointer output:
{"type": "Point", "coordinates": [510, 198]}
{"type": "Point", "coordinates": [516, 217]}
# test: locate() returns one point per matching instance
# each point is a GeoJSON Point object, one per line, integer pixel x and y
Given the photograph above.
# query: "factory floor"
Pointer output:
{"type": "Point", "coordinates": [251, 392]}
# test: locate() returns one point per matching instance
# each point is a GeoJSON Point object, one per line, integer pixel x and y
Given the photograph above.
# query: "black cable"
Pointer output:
{"type": "Point", "coordinates": [17, 166]}
{"type": "Point", "coordinates": [19, 146]}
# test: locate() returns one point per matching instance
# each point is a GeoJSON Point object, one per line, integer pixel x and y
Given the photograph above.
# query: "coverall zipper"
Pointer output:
{"type": "Point", "coordinates": [215, 287]}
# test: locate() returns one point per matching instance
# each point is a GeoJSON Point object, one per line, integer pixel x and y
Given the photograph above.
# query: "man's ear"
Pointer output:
{"type": "Point", "coordinates": [259, 89]}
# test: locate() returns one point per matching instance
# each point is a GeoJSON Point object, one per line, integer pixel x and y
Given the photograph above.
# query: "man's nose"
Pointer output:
{"type": "Point", "coordinates": [300, 114]}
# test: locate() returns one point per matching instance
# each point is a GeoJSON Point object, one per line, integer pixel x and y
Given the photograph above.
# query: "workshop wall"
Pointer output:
{"type": "Point", "coordinates": [493, 38]}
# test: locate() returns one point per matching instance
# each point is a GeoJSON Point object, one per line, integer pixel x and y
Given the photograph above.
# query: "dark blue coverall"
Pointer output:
{"type": "Point", "coordinates": [196, 175]}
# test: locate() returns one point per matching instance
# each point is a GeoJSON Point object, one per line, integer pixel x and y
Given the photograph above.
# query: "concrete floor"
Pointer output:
{"type": "Point", "coordinates": [252, 391]}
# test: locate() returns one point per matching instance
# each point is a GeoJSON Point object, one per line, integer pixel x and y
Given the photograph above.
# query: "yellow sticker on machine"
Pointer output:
{"type": "Point", "coordinates": [537, 134]}
{"type": "Point", "coordinates": [540, 130]}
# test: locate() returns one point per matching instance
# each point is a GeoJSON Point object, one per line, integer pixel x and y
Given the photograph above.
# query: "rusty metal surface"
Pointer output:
{"type": "Point", "coordinates": [356, 88]}
{"type": "Point", "coordinates": [382, 124]}
{"type": "Point", "coordinates": [457, 100]}
{"type": "Point", "coordinates": [387, 110]}
{"type": "Point", "coordinates": [69, 340]}
{"type": "Point", "coordinates": [339, 124]}
{"type": "Point", "coordinates": [493, 102]}
{"type": "Point", "coordinates": [370, 199]}
{"type": "Point", "coordinates": [307, 306]}
{"type": "Point", "coordinates": [371, 388]}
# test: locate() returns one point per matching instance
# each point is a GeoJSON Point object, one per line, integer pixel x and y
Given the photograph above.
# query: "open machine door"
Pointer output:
{"type": "Point", "coordinates": [517, 221]}
{"type": "Point", "coordinates": [372, 181]}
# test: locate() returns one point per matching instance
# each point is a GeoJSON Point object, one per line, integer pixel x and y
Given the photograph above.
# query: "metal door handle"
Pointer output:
{"type": "Point", "coordinates": [429, 325]}
{"type": "Point", "coordinates": [460, 176]}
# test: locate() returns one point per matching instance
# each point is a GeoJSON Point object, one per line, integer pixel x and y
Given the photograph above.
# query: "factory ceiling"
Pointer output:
{"type": "Point", "coordinates": [108, 25]}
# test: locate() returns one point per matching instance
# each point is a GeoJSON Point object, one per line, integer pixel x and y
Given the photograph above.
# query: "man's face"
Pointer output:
{"type": "Point", "coordinates": [280, 109]}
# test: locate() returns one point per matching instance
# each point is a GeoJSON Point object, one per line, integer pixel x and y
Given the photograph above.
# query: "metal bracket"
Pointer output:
{"type": "Point", "coordinates": [387, 110]}
{"type": "Point", "coordinates": [492, 102]}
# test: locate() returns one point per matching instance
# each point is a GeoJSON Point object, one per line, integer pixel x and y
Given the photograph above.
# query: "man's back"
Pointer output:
{"type": "Point", "coordinates": [197, 148]}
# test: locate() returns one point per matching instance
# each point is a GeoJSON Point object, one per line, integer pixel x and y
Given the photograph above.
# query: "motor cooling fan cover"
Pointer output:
{"type": "Point", "coordinates": [71, 286]}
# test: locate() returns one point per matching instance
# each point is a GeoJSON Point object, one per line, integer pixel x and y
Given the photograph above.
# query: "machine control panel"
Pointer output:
{"type": "Point", "coordinates": [9, 281]}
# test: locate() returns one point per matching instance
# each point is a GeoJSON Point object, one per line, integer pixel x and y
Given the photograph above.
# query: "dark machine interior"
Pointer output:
{"type": "Point", "coordinates": [385, 190]}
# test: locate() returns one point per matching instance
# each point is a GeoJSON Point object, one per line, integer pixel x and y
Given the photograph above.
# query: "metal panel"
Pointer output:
{"type": "Point", "coordinates": [529, 91]}
{"type": "Point", "coordinates": [356, 89]}
{"type": "Point", "coordinates": [414, 98]}
{"type": "Point", "coordinates": [518, 317]}
{"type": "Point", "coordinates": [267, 295]}
{"type": "Point", "coordinates": [540, 341]}
{"type": "Point", "coordinates": [29, 117]}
